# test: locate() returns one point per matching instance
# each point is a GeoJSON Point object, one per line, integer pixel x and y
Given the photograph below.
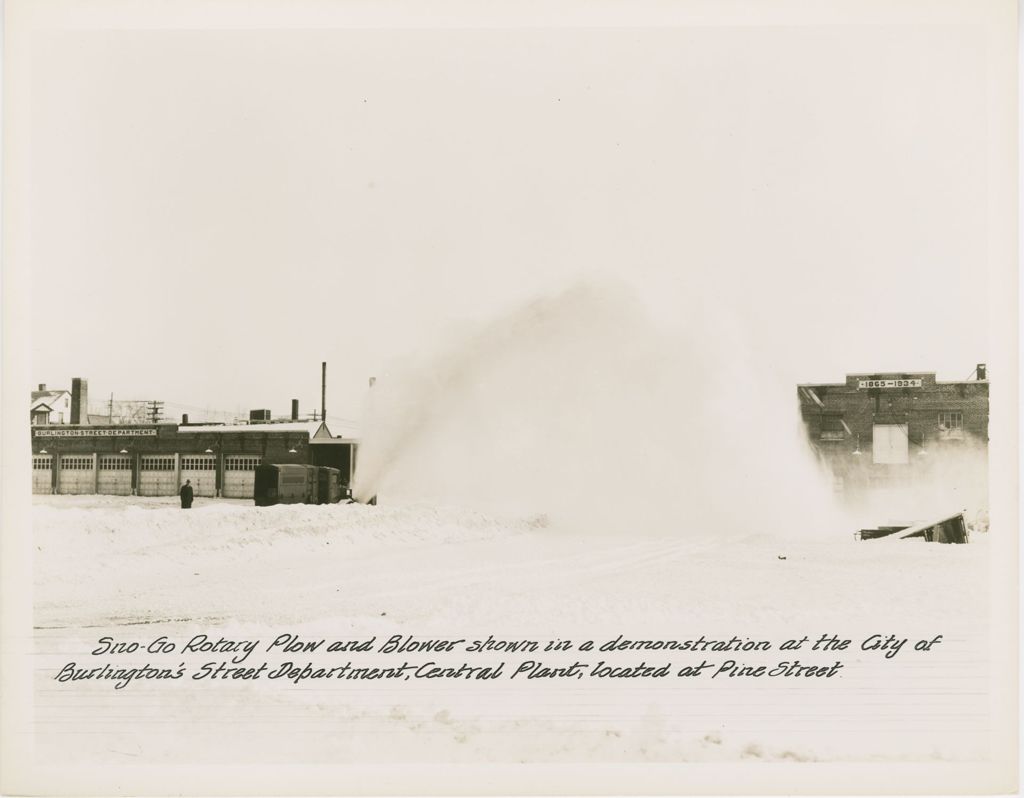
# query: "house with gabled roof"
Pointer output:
{"type": "Point", "coordinates": [51, 406]}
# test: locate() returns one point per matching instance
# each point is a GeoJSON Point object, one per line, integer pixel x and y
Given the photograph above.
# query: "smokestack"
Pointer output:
{"type": "Point", "coordinates": [323, 391]}
{"type": "Point", "coordinates": [184, 418]}
{"type": "Point", "coordinates": [79, 401]}
{"type": "Point", "coordinates": [295, 409]}
{"type": "Point", "coordinates": [42, 386]}
{"type": "Point", "coordinates": [982, 372]}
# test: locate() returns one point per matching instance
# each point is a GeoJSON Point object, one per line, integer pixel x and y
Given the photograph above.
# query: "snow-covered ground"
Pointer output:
{"type": "Point", "coordinates": [138, 569]}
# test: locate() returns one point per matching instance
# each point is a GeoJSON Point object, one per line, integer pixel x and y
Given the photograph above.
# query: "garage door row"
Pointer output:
{"type": "Point", "coordinates": [159, 475]}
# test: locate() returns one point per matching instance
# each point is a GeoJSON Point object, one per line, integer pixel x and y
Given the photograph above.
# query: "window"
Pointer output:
{"type": "Point", "coordinates": [76, 463]}
{"type": "Point", "coordinates": [154, 463]}
{"type": "Point", "coordinates": [890, 444]}
{"type": "Point", "coordinates": [951, 425]}
{"type": "Point", "coordinates": [60, 418]}
{"type": "Point", "coordinates": [239, 463]}
{"type": "Point", "coordinates": [197, 463]}
{"type": "Point", "coordinates": [41, 463]}
{"type": "Point", "coordinates": [832, 428]}
{"type": "Point", "coordinates": [115, 463]}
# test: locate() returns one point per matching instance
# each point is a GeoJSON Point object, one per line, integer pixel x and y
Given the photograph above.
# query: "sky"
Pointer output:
{"type": "Point", "coordinates": [214, 213]}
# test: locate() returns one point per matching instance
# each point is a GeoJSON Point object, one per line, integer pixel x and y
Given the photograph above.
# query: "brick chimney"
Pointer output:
{"type": "Point", "coordinates": [79, 401]}
{"type": "Point", "coordinates": [42, 386]}
{"type": "Point", "coordinates": [295, 409]}
{"type": "Point", "coordinates": [982, 372]}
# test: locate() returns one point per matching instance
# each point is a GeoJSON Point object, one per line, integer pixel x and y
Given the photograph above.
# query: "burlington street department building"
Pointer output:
{"type": "Point", "coordinates": [156, 459]}
{"type": "Point", "coordinates": [894, 430]}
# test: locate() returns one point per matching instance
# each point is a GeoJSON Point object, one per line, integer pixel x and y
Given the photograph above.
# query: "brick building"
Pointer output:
{"type": "Point", "coordinates": [86, 453]}
{"type": "Point", "coordinates": [885, 431]}
{"type": "Point", "coordinates": [156, 459]}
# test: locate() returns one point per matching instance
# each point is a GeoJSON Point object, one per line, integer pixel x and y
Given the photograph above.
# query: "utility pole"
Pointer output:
{"type": "Point", "coordinates": [323, 391]}
{"type": "Point", "coordinates": [155, 410]}
{"type": "Point", "coordinates": [110, 419]}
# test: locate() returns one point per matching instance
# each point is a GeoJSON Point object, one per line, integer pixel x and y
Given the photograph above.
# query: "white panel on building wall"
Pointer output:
{"type": "Point", "coordinates": [200, 469]}
{"type": "Point", "coordinates": [890, 444]}
{"type": "Point", "coordinates": [158, 476]}
{"type": "Point", "coordinates": [239, 476]}
{"type": "Point", "coordinates": [42, 471]}
{"type": "Point", "coordinates": [77, 474]}
{"type": "Point", "coordinates": [115, 475]}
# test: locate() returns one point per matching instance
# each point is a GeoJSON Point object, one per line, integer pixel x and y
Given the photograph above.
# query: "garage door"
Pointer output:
{"type": "Point", "coordinates": [890, 443]}
{"type": "Point", "coordinates": [239, 471]}
{"type": "Point", "coordinates": [158, 476]}
{"type": "Point", "coordinates": [201, 470]}
{"type": "Point", "coordinates": [115, 476]}
{"type": "Point", "coordinates": [42, 473]}
{"type": "Point", "coordinates": [77, 474]}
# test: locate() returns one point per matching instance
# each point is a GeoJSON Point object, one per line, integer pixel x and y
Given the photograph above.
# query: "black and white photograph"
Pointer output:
{"type": "Point", "coordinates": [515, 399]}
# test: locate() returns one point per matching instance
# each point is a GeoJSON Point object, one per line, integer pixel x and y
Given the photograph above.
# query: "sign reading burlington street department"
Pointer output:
{"type": "Point", "coordinates": [889, 384]}
{"type": "Point", "coordinates": [92, 433]}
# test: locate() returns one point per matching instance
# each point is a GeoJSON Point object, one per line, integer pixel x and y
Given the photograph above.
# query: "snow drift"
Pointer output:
{"type": "Point", "coordinates": [136, 569]}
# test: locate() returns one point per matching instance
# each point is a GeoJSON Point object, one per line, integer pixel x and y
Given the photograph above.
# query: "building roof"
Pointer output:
{"type": "Point", "coordinates": [891, 374]}
{"type": "Point", "coordinates": [315, 429]}
{"type": "Point", "coordinates": [46, 395]}
{"type": "Point", "coordinates": [36, 408]}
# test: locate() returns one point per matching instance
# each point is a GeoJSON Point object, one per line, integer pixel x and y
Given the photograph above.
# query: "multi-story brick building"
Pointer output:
{"type": "Point", "coordinates": [885, 431]}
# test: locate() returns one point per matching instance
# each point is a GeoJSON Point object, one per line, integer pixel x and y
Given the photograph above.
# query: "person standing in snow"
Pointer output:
{"type": "Point", "coordinates": [186, 494]}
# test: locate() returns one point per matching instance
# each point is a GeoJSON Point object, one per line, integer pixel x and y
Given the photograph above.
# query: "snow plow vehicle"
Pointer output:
{"type": "Point", "coordinates": [297, 484]}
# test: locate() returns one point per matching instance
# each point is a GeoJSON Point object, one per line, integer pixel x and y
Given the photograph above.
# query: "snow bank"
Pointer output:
{"type": "Point", "coordinates": [216, 525]}
{"type": "Point", "coordinates": [136, 569]}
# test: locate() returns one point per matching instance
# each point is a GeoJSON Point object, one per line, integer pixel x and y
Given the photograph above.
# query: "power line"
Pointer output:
{"type": "Point", "coordinates": [183, 406]}
{"type": "Point", "coordinates": [339, 418]}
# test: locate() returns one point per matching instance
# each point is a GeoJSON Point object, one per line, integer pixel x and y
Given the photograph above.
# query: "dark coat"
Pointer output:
{"type": "Point", "coordinates": [186, 496]}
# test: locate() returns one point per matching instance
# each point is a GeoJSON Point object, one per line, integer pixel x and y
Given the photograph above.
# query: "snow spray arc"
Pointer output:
{"type": "Point", "coordinates": [579, 407]}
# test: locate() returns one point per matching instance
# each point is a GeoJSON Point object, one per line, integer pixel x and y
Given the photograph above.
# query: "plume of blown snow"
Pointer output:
{"type": "Point", "coordinates": [579, 407]}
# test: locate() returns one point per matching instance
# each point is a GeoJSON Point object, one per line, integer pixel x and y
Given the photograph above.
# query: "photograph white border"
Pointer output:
{"type": "Point", "coordinates": [22, 773]}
